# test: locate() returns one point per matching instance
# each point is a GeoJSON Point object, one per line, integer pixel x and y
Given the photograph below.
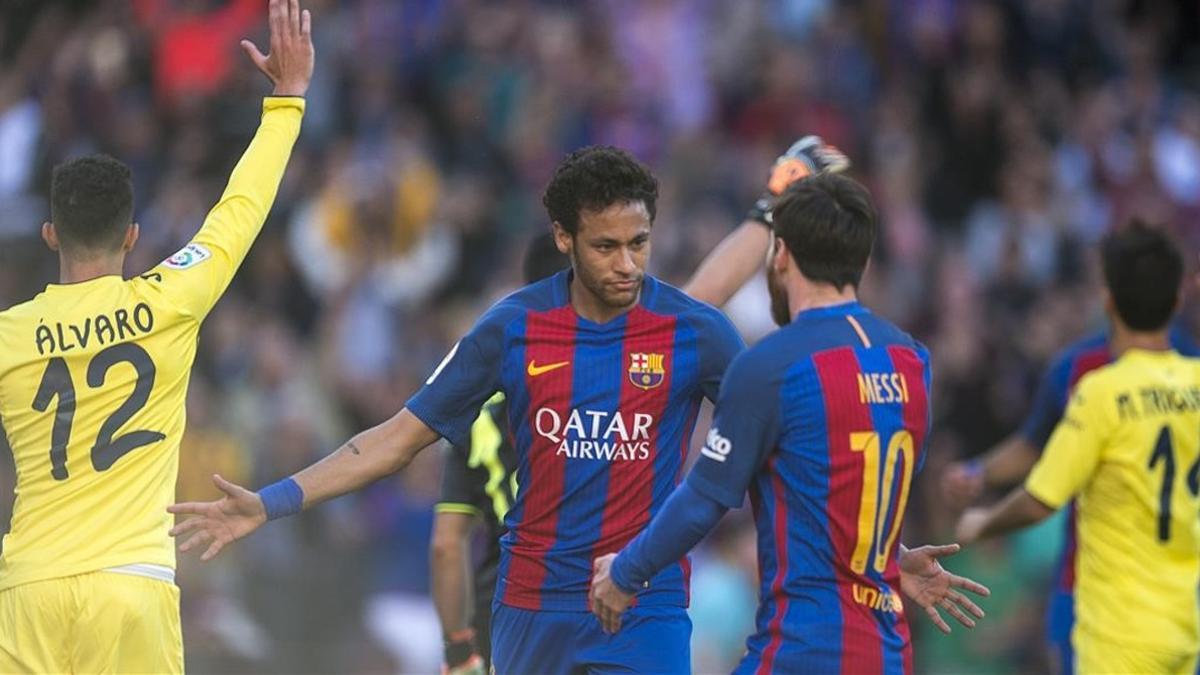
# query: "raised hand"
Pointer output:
{"type": "Point", "coordinates": [927, 583]}
{"type": "Point", "coordinates": [289, 66]}
{"type": "Point", "coordinates": [962, 483]}
{"type": "Point", "coordinates": [607, 600]}
{"type": "Point", "coordinates": [228, 519]}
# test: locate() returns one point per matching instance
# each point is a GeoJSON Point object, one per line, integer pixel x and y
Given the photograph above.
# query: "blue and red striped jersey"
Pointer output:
{"type": "Point", "coordinates": [1066, 369]}
{"type": "Point", "coordinates": [824, 422]}
{"type": "Point", "coordinates": [602, 417]}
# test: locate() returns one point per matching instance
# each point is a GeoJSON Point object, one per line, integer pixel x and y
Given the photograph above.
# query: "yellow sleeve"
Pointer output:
{"type": "Point", "coordinates": [1074, 449]}
{"type": "Point", "coordinates": [196, 276]}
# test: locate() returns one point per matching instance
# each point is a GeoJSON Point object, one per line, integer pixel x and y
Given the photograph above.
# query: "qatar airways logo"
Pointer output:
{"type": "Point", "coordinates": [596, 434]}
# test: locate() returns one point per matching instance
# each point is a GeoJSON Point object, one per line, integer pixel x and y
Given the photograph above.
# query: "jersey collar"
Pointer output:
{"type": "Point", "coordinates": [841, 309]}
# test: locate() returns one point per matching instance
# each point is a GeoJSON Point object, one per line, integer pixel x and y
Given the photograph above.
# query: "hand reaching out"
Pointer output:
{"type": "Point", "coordinates": [926, 582]}
{"type": "Point", "coordinates": [222, 522]}
{"type": "Point", "coordinates": [290, 63]}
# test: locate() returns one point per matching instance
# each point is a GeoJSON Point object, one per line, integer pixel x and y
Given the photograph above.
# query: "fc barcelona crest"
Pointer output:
{"type": "Point", "coordinates": [646, 371]}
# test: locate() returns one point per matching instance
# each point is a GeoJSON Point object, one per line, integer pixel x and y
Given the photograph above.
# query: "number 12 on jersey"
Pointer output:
{"type": "Point", "coordinates": [108, 448]}
{"type": "Point", "coordinates": [875, 504]}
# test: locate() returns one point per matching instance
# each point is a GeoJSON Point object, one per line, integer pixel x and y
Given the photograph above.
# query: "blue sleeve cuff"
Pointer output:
{"type": "Point", "coordinates": [283, 498]}
{"type": "Point", "coordinates": [620, 576]}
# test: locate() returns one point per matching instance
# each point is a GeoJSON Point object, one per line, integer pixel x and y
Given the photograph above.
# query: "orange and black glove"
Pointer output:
{"type": "Point", "coordinates": [808, 156]}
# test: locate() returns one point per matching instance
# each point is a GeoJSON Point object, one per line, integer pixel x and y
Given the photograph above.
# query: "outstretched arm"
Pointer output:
{"type": "Point", "coordinates": [683, 521]}
{"type": "Point", "coordinates": [372, 454]}
{"type": "Point", "coordinates": [1019, 509]}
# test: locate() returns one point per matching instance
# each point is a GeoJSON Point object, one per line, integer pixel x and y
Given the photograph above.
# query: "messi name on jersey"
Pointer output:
{"type": "Point", "coordinates": [596, 434]}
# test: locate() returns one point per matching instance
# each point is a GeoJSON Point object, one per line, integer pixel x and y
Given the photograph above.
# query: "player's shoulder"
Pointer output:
{"type": "Point", "coordinates": [1091, 346]}
{"type": "Point", "coordinates": [661, 297]}
{"type": "Point", "coordinates": [888, 334]}
{"type": "Point", "coordinates": [548, 294]}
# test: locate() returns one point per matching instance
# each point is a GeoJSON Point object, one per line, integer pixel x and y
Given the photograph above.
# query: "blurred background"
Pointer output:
{"type": "Point", "coordinates": [1000, 140]}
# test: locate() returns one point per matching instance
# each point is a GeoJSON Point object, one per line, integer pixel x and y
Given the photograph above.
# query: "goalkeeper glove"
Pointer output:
{"type": "Point", "coordinates": [807, 157]}
{"type": "Point", "coordinates": [461, 656]}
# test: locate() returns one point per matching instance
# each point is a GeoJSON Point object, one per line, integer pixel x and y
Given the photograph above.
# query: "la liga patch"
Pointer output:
{"type": "Point", "coordinates": [188, 256]}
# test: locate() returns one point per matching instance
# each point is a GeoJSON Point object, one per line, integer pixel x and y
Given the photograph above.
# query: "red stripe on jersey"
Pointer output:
{"type": "Point", "coordinates": [780, 524]}
{"type": "Point", "coordinates": [845, 414]}
{"type": "Point", "coordinates": [915, 418]}
{"type": "Point", "coordinates": [550, 340]}
{"type": "Point", "coordinates": [649, 338]}
{"type": "Point", "coordinates": [1083, 364]}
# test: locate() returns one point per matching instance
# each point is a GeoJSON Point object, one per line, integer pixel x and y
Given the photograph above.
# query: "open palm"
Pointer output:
{"type": "Point", "coordinates": [220, 522]}
{"type": "Point", "coordinates": [927, 583]}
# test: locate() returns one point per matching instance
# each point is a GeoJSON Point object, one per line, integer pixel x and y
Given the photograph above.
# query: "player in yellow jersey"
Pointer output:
{"type": "Point", "coordinates": [1128, 449]}
{"type": "Point", "coordinates": [93, 376]}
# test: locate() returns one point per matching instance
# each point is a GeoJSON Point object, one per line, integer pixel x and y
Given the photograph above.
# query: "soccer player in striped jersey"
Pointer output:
{"type": "Point", "coordinates": [825, 423]}
{"type": "Point", "coordinates": [478, 485]}
{"type": "Point", "coordinates": [1127, 455]}
{"type": "Point", "coordinates": [1009, 463]}
{"type": "Point", "coordinates": [94, 372]}
{"type": "Point", "coordinates": [603, 368]}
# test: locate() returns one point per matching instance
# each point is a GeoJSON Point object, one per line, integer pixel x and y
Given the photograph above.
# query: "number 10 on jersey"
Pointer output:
{"type": "Point", "coordinates": [876, 501]}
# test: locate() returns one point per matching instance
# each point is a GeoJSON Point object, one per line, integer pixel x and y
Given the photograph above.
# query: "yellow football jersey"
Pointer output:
{"type": "Point", "coordinates": [1128, 446]}
{"type": "Point", "coordinates": [93, 378]}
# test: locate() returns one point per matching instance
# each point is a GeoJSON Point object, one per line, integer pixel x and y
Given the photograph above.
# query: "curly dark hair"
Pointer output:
{"type": "Point", "coordinates": [594, 178]}
{"type": "Point", "coordinates": [91, 202]}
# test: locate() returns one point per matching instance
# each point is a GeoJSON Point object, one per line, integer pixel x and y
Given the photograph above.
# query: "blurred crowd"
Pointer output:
{"type": "Point", "coordinates": [1000, 140]}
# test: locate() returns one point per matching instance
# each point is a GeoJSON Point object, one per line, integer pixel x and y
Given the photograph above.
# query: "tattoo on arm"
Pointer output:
{"type": "Point", "coordinates": [353, 447]}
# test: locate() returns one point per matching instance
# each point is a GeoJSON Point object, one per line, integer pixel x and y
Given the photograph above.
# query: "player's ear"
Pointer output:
{"type": "Point", "coordinates": [779, 255]}
{"type": "Point", "coordinates": [50, 236]}
{"type": "Point", "coordinates": [562, 239]}
{"type": "Point", "coordinates": [131, 237]}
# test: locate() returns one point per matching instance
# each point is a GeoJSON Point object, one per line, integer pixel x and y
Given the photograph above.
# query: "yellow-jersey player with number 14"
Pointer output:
{"type": "Point", "coordinates": [1128, 449]}
{"type": "Point", "coordinates": [93, 376]}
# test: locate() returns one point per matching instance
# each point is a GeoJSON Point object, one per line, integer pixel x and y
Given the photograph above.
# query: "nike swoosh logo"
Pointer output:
{"type": "Point", "coordinates": [534, 370]}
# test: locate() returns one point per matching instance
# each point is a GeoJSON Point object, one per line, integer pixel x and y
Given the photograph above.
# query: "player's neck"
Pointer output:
{"type": "Point", "coordinates": [71, 271]}
{"type": "Point", "coordinates": [807, 295]}
{"type": "Point", "coordinates": [1124, 339]}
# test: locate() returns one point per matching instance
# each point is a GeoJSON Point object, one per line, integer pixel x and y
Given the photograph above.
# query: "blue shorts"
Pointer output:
{"type": "Point", "coordinates": [1060, 619]}
{"type": "Point", "coordinates": [651, 640]}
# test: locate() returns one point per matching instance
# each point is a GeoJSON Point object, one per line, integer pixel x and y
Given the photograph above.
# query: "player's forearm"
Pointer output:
{"type": "Point", "coordinates": [683, 521]}
{"type": "Point", "coordinates": [1018, 510]}
{"type": "Point", "coordinates": [254, 182]}
{"type": "Point", "coordinates": [377, 452]}
{"type": "Point", "coordinates": [450, 578]}
{"type": "Point", "coordinates": [737, 258]}
{"type": "Point", "coordinates": [1008, 463]}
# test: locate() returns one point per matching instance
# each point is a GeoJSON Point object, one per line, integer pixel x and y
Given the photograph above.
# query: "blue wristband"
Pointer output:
{"type": "Point", "coordinates": [619, 578]}
{"type": "Point", "coordinates": [282, 498]}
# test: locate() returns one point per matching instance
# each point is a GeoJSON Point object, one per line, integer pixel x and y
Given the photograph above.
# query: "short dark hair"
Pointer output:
{"type": "Point", "coordinates": [1143, 269]}
{"type": "Point", "coordinates": [595, 178]}
{"type": "Point", "coordinates": [91, 202]}
{"type": "Point", "coordinates": [828, 224]}
{"type": "Point", "coordinates": [543, 259]}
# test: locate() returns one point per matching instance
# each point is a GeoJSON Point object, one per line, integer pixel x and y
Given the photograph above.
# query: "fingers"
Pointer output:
{"type": "Point", "coordinates": [964, 601]}
{"type": "Point", "coordinates": [610, 620]}
{"type": "Point", "coordinates": [957, 613]}
{"type": "Point", "coordinates": [277, 19]}
{"type": "Point", "coordinates": [306, 25]}
{"type": "Point", "coordinates": [970, 585]}
{"type": "Point", "coordinates": [258, 58]}
{"type": "Point", "coordinates": [231, 489]}
{"type": "Point", "coordinates": [190, 508]}
{"type": "Point", "coordinates": [943, 550]}
{"type": "Point", "coordinates": [294, 18]}
{"type": "Point", "coordinates": [186, 526]}
{"type": "Point", "coordinates": [195, 540]}
{"type": "Point", "coordinates": [937, 619]}
{"type": "Point", "coordinates": [213, 549]}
